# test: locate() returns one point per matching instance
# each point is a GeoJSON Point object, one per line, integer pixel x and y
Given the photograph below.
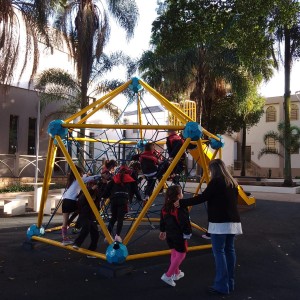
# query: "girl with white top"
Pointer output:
{"type": "Point", "coordinates": [69, 203]}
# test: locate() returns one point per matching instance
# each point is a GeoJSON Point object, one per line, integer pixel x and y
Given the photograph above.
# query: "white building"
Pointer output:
{"type": "Point", "coordinates": [273, 114]}
{"type": "Point", "coordinates": [19, 114]}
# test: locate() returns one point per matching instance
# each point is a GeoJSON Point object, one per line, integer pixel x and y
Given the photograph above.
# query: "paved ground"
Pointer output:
{"type": "Point", "coordinates": [268, 263]}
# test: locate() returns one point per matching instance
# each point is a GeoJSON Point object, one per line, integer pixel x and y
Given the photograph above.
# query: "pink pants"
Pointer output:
{"type": "Point", "coordinates": [176, 260]}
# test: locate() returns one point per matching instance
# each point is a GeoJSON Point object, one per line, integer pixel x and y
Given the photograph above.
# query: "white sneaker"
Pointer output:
{"type": "Point", "coordinates": [118, 238]}
{"type": "Point", "coordinates": [67, 241]}
{"type": "Point", "coordinates": [76, 247]}
{"type": "Point", "coordinates": [178, 276]}
{"type": "Point", "coordinates": [168, 280]}
{"type": "Point", "coordinates": [207, 237]}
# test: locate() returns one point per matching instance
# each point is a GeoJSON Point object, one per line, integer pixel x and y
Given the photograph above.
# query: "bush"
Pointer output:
{"type": "Point", "coordinates": [17, 188]}
{"type": "Point", "coordinates": [27, 188]}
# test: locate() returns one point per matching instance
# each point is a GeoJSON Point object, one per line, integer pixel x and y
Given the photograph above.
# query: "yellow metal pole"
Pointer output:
{"type": "Point", "coordinates": [120, 126]}
{"type": "Point", "coordinates": [220, 153]}
{"type": "Point", "coordinates": [164, 252]}
{"type": "Point", "coordinates": [139, 110]}
{"type": "Point", "coordinates": [59, 244]}
{"type": "Point", "coordinates": [203, 160]}
{"type": "Point", "coordinates": [145, 219]}
{"type": "Point", "coordinates": [81, 121]}
{"type": "Point", "coordinates": [199, 186]}
{"type": "Point", "coordinates": [47, 178]}
{"type": "Point", "coordinates": [165, 102]}
{"type": "Point", "coordinates": [105, 204]}
{"type": "Point", "coordinates": [198, 227]}
{"type": "Point", "coordinates": [156, 191]}
{"type": "Point", "coordinates": [103, 256]}
{"type": "Point", "coordinates": [92, 105]}
{"type": "Point", "coordinates": [84, 189]}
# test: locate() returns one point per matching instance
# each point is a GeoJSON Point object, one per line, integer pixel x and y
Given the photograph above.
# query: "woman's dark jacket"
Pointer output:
{"type": "Point", "coordinates": [221, 202]}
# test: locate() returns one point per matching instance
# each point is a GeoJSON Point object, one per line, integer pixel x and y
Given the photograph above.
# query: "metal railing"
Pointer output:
{"type": "Point", "coordinates": [251, 167]}
{"type": "Point", "coordinates": [15, 165]}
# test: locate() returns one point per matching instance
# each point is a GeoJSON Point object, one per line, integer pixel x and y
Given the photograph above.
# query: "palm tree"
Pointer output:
{"type": "Point", "coordinates": [22, 25]}
{"type": "Point", "coordinates": [85, 25]}
{"type": "Point", "coordinates": [86, 29]}
{"type": "Point", "coordinates": [61, 87]}
{"type": "Point", "coordinates": [280, 137]}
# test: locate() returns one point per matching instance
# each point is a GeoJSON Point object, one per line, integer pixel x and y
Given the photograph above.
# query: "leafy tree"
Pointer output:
{"type": "Point", "coordinates": [195, 60]}
{"type": "Point", "coordinates": [251, 111]}
{"type": "Point", "coordinates": [253, 33]}
{"type": "Point", "coordinates": [273, 24]}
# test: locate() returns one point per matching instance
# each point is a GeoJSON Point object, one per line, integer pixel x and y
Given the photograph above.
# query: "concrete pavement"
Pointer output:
{"type": "Point", "coordinates": [268, 261]}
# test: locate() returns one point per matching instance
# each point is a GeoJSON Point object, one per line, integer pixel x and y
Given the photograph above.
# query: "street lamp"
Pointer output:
{"type": "Point", "coordinates": [37, 137]}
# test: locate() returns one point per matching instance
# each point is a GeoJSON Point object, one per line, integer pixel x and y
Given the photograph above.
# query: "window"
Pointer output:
{"type": "Point", "coordinates": [271, 114]}
{"type": "Point", "coordinates": [13, 134]}
{"type": "Point", "coordinates": [271, 143]}
{"type": "Point", "coordinates": [31, 136]}
{"type": "Point", "coordinates": [294, 112]}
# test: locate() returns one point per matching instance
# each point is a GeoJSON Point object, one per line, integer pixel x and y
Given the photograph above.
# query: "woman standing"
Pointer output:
{"type": "Point", "coordinates": [221, 195]}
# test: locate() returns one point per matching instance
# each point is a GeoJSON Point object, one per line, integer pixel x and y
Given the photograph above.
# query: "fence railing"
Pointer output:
{"type": "Point", "coordinates": [15, 165]}
{"type": "Point", "coordinates": [251, 167]}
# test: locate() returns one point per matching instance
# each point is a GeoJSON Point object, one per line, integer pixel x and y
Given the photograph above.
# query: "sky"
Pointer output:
{"type": "Point", "coordinates": [140, 43]}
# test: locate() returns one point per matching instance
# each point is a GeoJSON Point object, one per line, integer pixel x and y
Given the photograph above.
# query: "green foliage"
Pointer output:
{"type": "Point", "coordinates": [27, 188]}
{"type": "Point", "coordinates": [280, 137]}
{"type": "Point", "coordinates": [208, 70]}
{"type": "Point", "coordinates": [17, 188]}
{"type": "Point", "coordinates": [19, 19]}
{"type": "Point", "coordinates": [59, 86]}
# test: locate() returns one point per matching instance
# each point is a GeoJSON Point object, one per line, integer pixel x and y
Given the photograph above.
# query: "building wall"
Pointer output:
{"type": "Point", "coordinates": [228, 152]}
{"type": "Point", "coordinates": [255, 140]}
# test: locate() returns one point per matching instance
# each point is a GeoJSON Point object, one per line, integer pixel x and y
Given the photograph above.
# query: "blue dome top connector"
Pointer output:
{"type": "Point", "coordinates": [55, 128]}
{"type": "Point", "coordinates": [193, 131]}
{"type": "Point", "coordinates": [135, 86]}
{"type": "Point", "coordinates": [217, 144]}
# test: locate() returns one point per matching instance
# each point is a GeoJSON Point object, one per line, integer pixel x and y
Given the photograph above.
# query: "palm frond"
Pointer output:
{"type": "Point", "coordinates": [126, 14]}
{"type": "Point", "coordinates": [265, 151]}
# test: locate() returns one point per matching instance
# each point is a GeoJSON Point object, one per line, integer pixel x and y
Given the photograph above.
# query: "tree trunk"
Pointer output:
{"type": "Point", "coordinates": [243, 150]}
{"type": "Point", "coordinates": [286, 105]}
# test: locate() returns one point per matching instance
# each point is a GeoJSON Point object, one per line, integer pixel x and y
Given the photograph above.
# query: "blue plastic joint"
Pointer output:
{"type": "Point", "coordinates": [135, 86]}
{"type": "Point", "coordinates": [55, 128]}
{"type": "Point", "coordinates": [217, 144]}
{"type": "Point", "coordinates": [193, 131]}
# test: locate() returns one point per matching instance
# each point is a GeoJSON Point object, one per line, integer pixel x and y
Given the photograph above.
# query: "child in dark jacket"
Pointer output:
{"type": "Point", "coordinates": [174, 143]}
{"type": "Point", "coordinates": [175, 228]}
{"type": "Point", "coordinates": [119, 190]}
{"type": "Point", "coordinates": [88, 220]}
{"type": "Point", "coordinates": [151, 165]}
